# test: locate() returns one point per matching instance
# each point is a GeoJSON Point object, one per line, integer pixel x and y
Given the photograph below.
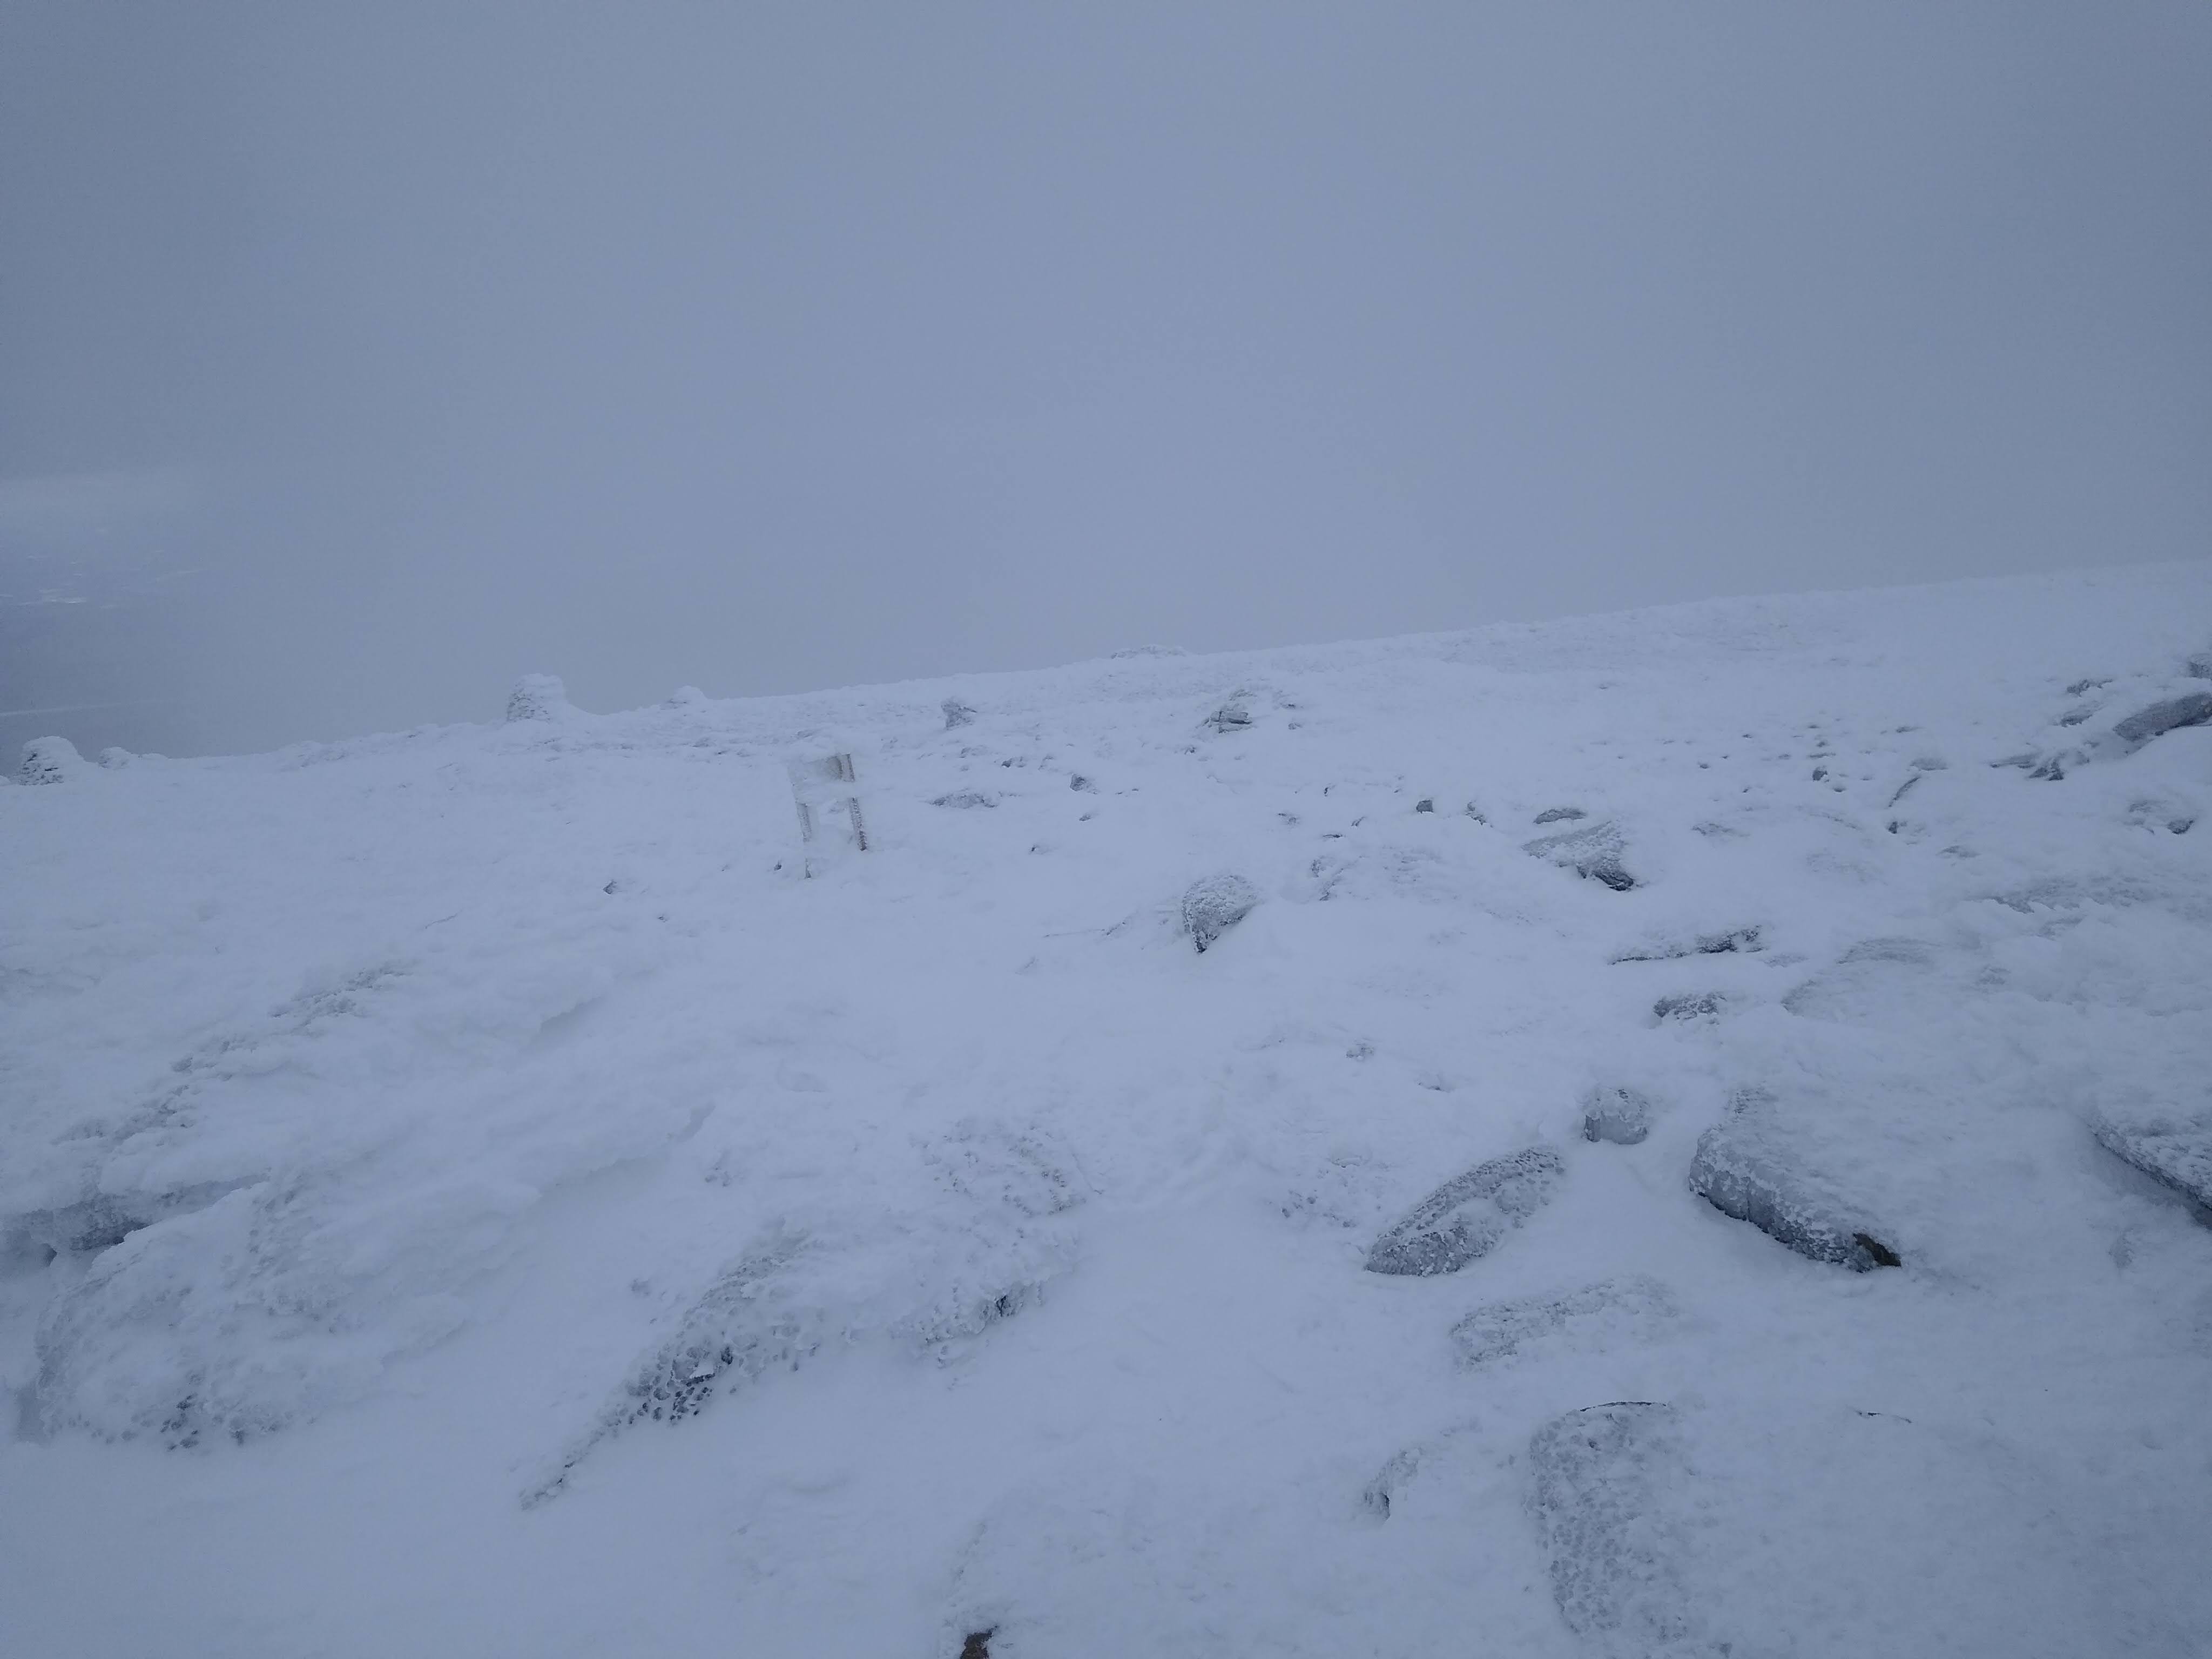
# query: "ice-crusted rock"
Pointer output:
{"type": "Point", "coordinates": [1213, 904]}
{"type": "Point", "coordinates": [102, 1220]}
{"type": "Point", "coordinates": [1748, 1166]}
{"type": "Point", "coordinates": [1467, 1216]}
{"type": "Point", "coordinates": [966, 798]}
{"type": "Point", "coordinates": [1628, 1310]}
{"type": "Point", "coordinates": [2189, 709]}
{"type": "Point", "coordinates": [50, 760]}
{"type": "Point", "coordinates": [1561, 815]}
{"type": "Point", "coordinates": [1601, 1481]}
{"type": "Point", "coordinates": [1618, 1114]}
{"type": "Point", "coordinates": [2176, 1151]}
{"type": "Point", "coordinates": [926, 1279]}
{"type": "Point", "coordinates": [1683, 1006]}
{"type": "Point", "coordinates": [538, 697]}
{"type": "Point", "coordinates": [2199, 666]}
{"type": "Point", "coordinates": [1668, 947]}
{"type": "Point", "coordinates": [957, 713]}
{"type": "Point", "coordinates": [1593, 851]}
{"type": "Point", "coordinates": [1234, 714]}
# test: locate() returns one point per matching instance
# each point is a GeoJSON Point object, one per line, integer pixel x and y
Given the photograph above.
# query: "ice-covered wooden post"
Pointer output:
{"type": "Point", "coordinates": [822, 789]}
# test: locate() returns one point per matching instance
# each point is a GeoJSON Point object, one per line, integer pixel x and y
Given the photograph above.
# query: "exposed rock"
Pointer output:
{"type": "Point", "coordinates": [2176, 1151]}
{"type": "Point", "coordinates": [1745, 939]}
{"type": "Point", "coordinates": [1427, 803]}
{"type": "Point", "coordinates": [2191, 708]}
{"type": "Point", "coordinates": [1561, 815]}
{"type": "Point", "coordinates": [1602, 1480]}
{"type": "Point", "coordinates": [1620, 1115]}
{"type": "Point", "coordinates": [957, 713]}
{"type": "Point", "coordinates": [105, 1220]}
{"type": "Point", "coordinates": [966, 798]}
{"type": "Point", "coordinates": [1213, 904]}
{"type": "Point", "coordinates": [1634, 1308]}
{"type": "Point", "coordinates": [538, 697]}
{"type": "Point", "coordinates": [1467, 1216]}
{"type": "Point", "coordinates": [1592, 852]}
{"type": "Point", "coordinates": [50, 760]}
{"type": "Point", "coordinates": [1684, 1006]}
{"type": "Point", "coordinates": [1746, 1167]}
{"type": "Point", "coordinates": [2200, 666]}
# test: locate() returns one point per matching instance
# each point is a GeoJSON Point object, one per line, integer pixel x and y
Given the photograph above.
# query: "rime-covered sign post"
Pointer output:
{"type": "Point", "coordinates": [831, 823]}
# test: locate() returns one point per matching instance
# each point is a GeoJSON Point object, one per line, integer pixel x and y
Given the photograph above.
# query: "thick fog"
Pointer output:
{"type": "Point", "coordinates": [355, 359]}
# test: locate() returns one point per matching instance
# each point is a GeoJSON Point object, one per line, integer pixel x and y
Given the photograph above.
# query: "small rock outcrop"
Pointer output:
{"type": "Point", "coordinates": [957, 713]}
{"type": "Point", "coordinates": [966, 798]}
{"type": "Point", "coordinates": [50, 760]}
{"type": "Point", "coordinates": [1213, 904]}
{"type": "Point", "coordinates": [1592, 852]}
{"type": "Point", "coordinates": [2191, 708]}
{"type": "Point", "coordinates": [1746, 1167]}
{"type": "Point", "coordinates": [1620, 1115]}
{"type": "Point", "coordinates": [1465, 1218]}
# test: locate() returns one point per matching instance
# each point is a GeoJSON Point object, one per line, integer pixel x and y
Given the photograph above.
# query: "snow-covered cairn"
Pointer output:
{"type": "Point", "coordinates": [50, 760]}
{"type": "Point", "coordinates": [538, 697]}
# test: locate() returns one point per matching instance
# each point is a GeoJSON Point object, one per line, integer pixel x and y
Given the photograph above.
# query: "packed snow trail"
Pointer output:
{"type": "Point", "coordinates": [1393, 1148]}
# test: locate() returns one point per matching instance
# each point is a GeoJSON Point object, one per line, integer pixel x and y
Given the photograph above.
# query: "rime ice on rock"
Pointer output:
{"type": "Point", "coordinates": [1620, 1115]}
{"type": "Point", "coordinates": [1746, 1166]}
{"type": "Point", "coordinates": [1467, 1216]}
{"type": "Point", "coordinates": [1213, 904]}
{"type": "Point", "coordinates": [538, 697]}
{"type": "Point", "coordinates": [1602, 1477]}
{"type": "Point", "coordinates": [1592, 852]}
{"type": "Point", "coordinates": [1634, 1308]}
{"type": "Point", "coordinates": [49, 760]}
{"type": "Point", "coordinates": [1233, 715]}
{"type": "Point", "coordinates": [2191, 708]}
{"type": "Point", "coordinates": [2176, 1151]}
{"type": "Point", "coordinates": [957, 713]}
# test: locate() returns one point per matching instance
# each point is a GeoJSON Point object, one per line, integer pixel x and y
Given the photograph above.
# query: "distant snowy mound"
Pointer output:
{"type": "Point", "coordinates": [1678, 1132]}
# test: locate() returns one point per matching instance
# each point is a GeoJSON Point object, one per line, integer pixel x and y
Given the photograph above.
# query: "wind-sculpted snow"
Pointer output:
{"type": "Point", "coordinates": [926, 1246]}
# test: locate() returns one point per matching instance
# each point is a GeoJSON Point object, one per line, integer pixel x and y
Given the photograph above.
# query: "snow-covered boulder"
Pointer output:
{"type": "Point", "coordinates": [1750, 1166]}
{"type": "Point", "coordinates": [1592, 851]}
{"type": "Point", "coordinates": [50, 760]}
{"type": "Point", "coordinates": [1213, 904]}
{"type": "Point", "coordinates": [1467, 1216]}
{"type": "Point", "coordinates": [1602, 1480]}
{"type": "Point", "coordinates": [2175, 1151]}
{"type": "Point", "coordinates": [1620, 1115]}
{"type": "Point", "coordinates": [538, 697]}
{"type": "Point", "coordinates": [1634, 1309]}
{"type": "Point", "coordinates": [957, 713]}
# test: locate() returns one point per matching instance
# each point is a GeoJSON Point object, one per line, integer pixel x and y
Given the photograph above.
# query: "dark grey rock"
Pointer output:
{"type": "Point", "coordinates": [104, 1219]}
{"type": "Point", "coordinates": [1634, 1308]}
{"type": "Point", "coordinates": [1735, 939]}
{"type": "Point", "coordinates": [1601, 1482]}
{"type": "Point", "coordinates": [1561, 815]}
{"type": "Point", "coordinates": [1746, 1166]}
{"type": "Point", "coordinates": [2176, 1151]}
{"type": "Point", "coordinates": [1620, 1115]}
{"type": "Point", "coordinates": [957, 713]}
{"type": "Point", "coordinates": [1592, 852]}
{"type": "Point", "coordinates": [2200, 666]}
{"type": "Point", "coordinates": [2191, 708]}
{"type": "Point", "coordinates": [1213, 904]}
{"type": "Point", "coordinates": [1467, 1216]}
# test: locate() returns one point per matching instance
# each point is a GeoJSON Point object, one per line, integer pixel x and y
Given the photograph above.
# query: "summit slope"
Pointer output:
{"type": "Point", "coordinates": [473, 1191]}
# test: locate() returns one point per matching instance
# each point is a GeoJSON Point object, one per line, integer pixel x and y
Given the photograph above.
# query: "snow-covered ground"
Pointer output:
{"type": "Point", "coordinates": [471, 1191]}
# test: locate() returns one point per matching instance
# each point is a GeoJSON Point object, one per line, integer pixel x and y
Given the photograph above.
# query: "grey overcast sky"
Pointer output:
{"type": "Point", "coordinates": [357, 358]}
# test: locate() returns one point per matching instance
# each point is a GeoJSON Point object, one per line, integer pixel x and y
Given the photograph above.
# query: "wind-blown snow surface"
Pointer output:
{"type": "Point", "coordinates": [467, 1193]}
